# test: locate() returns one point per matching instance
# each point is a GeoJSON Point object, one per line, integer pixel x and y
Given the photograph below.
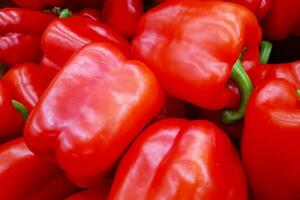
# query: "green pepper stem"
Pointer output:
{"type": "Point", "coordinates": [265, 51]}
{"type": "Point", "coordinates": [298, 92]}
{"type": "Point", "coordinates": [65, 13]}
{"type": "Point", "coordinates": [20, 108]}
{"type": "Point", "coordinates": [242, 80]}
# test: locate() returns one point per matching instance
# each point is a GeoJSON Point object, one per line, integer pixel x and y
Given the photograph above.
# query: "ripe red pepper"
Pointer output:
{"type": "Point", "coordinates": [49, 67]}
{"type": "Point", "coordinates": [270, 143]}
{"type": "Point", "coordinates": [97, 83]}
{"type": "Point", "coordinates": [26, 83]}
{"type": "Point", "coordinates": [91, 13]}
{"type": "Point", "coordinates": [11, 121]}
{"type": "Point", "coordinates": [20, 35]}
{"type": "Point", "coordinates": [282, 20]}
{"type": "Point", "coordinates": [24, 176]}
{"type": "Point", "coordinates": [98, 192]}
{"type": "Point", "coordinates": [65, 36]}
{"type": "Point", "coordinates": [258, 74]}
{"type": "Point", "coordinates": [192, 47]}
{"type": "Point", "coordinates": [258, 7]}
{"type": "Point", "coordinates": [38, 4]}
{"type": "Point", "coordinates": [180, 159]}
{"type": "Point", "coordinates": [123, 15]}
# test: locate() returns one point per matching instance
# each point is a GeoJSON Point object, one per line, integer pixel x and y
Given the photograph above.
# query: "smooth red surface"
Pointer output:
{"type": "Point", "coordinates": [11, 121]}
{"type": "Point", "coordinates": [26, 83]}
{"type": "Point", "coordinates": [49, 67]}
{"type": "Point", "coordinates": [65, 36]}
{"type": "Point", "coordinates": [123, 15]}
{"type": "Point", "coordinates": [191, 46]}
{"type": "Point", "coordinates": [282, 20]}
{"type": "Point", "coordinates": [20, 35]}
{"type": "Point", "coordinates": [19, 48]}
{"type": "Point", "coordinates": [287, 71]}
{"type": "Point", "coordinates": [97, 83]}
{"type": "Point", "coordinates": [178, 159]}
{"type": "Point", "coordinates": [25, 21]}
{"type": "Point", "coordinates": [270, 143]}
{"type": "Point", "coordinates": [91, 13]}
{"type": "Point", "coordinates": [24, 176]}
{"type": "Point", "coordinates": [258, 7]}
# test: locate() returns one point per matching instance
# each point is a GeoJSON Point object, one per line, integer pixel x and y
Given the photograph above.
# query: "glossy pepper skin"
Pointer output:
{"type": "Point", "coordinates": [65, 36]}
{"type": "Point", "coordinates": [288, 71]}
{"type": "Point", "coordinates": [271, 136]}
{"type": "Point", "coordinates": [180, 159]}
{"type": "Point", "coordinates": [123, 15]}
{"type": "Point", "coordinates": [19, 48]}
{"type": "Point", "coordinates": [258, 7]}
{"type": "Point", "coordinates": [20, 35]}
{"type": "Point", "coordinates": [194, 56]}
{"type": "Point", "coordinates": [91, 13]}
{"type": "Point", "coordinates": [282, 20]}
{"type": "Point", "coordinates": [11, 121]}
{"type": "Point", "coordinates": [26, 82]}
{"type": "Point", "coordinates": [93, 109]}
{"type": "Point", "coordinates": [24, 176]}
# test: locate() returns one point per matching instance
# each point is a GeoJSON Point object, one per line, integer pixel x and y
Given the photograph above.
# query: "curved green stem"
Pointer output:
{"type": "Point", "coordinates": [242, 80]}
{"type": "Point", "coordinates": [65, 13]}
{"type": "Point", "coordinates": [21, 109]}
{"type": "Point", "coordinates": [265, 51]}
{"type": "Point", "coordinates": [298, 92]}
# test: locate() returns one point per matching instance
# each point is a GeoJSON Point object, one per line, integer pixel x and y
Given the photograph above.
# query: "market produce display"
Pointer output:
{"type": "Point", "coordinates": [149, 99]}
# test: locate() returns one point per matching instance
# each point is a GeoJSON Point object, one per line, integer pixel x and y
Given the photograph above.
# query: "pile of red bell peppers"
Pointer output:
{"type": "Point", "coordinates": [149, 100]}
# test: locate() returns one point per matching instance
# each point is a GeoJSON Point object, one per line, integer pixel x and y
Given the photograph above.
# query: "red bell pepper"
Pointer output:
{"type": "Point", "coordinates": [24, 176]}
{"type": "Point", "coordinates": [49, 67]}
{"type": "Point", "coordinates": [282, 20]}
{"type": "Point", "coordinates": [20, 34]}
{"type": "Point", "coordinates": [38, 4]}
{"type": "Point", "coordinates": [91, 13]}
{"type": "Point", "coordinates": [11, 121]}
{"type": "Point", "coordinates": [65, 36]}
{"type": "Point", "coordinates": [258, 7]}
{"type": "Point", "coordinates": [192, 47]}
{"type": "Point", "coordinates": [270, 143]}
{"type": "Point", "coordinates": [258, 74]}
{"type": "Point", "coordinates": [180, 159]}
{"type": "Point", "coordinates": [123, 15]}
{"type": "Point", "coordinates": [93, 109]}
{"type": "Point", "coordinates": [98, 192]}
{"type": "Point", "coordinates": [26, 83]}
{"type": "Point", "coordinates": [18, 48]}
